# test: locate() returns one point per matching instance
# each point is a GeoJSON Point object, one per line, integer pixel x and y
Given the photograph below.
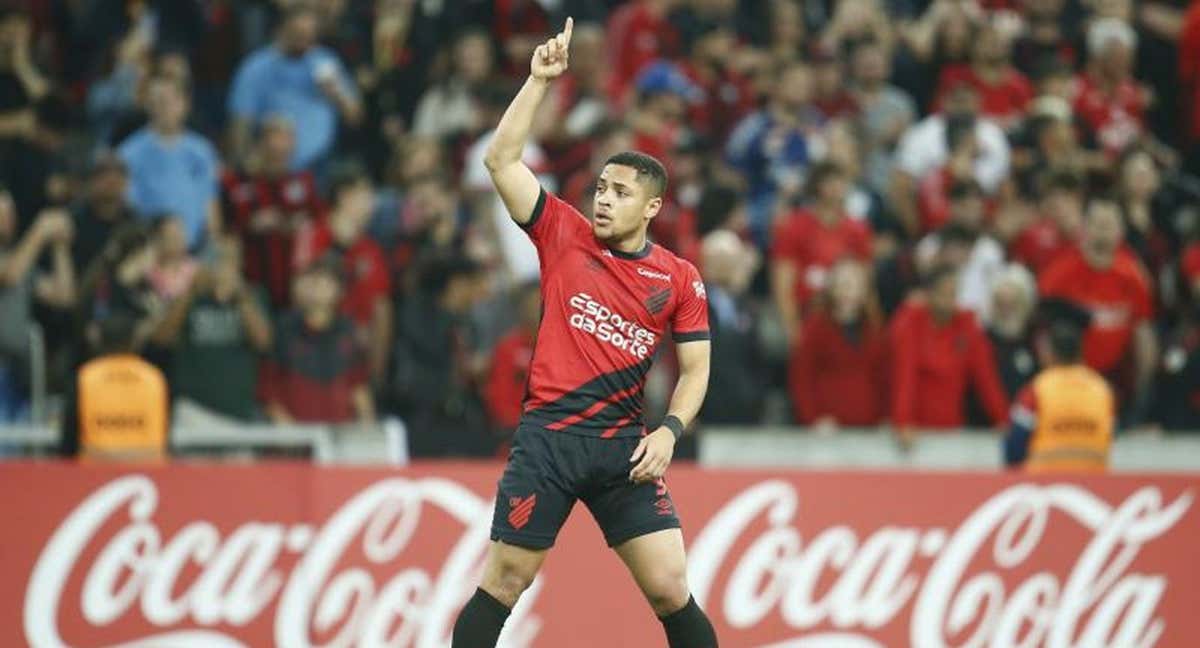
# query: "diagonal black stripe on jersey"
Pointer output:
{"type": "Point", "coordinates": [600, 388]}
{"type": "Point", "coordinates": [656, 302]}
{"type": "Point", "coordinates": [611, 414]}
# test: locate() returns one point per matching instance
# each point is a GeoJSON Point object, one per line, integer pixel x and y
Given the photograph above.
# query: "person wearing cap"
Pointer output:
{"type": "Point", "coordinates": [317, 372]}
{"type": "Point", "coordinates": [1064, 419]}
{"type": "Point", "coordinates": [659, 120]}
{"type": "Point", "coordinates": [103, 209]}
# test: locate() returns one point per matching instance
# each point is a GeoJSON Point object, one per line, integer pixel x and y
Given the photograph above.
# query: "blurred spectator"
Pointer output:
{"type": "Point", "coordinates": [1189, 75]}
{"type": "Point", "coordinates": [809, 240]}
{"type": "Point", "coordinates": [1109, 101]}
{"type": "Point", "coordinates": [831, 96]}
{"type": "Point", "coordinates": [726, 95]}
{"type": "Point", "coordinates": [1105, 277]}
{"type": "Point", "coordinates": [934, 191]}
{"type": "Point", "coordinates": [942, 36]}
{"type": "Point", "coordinates": [508, 371]}
{"type": "Point", "coordinates": [659, 118]}
{"type": "Point", "coordinates": [117, 406]}
{"type": "Point", "coordinates": [1044, 40]}
{"type": "Point", "coordinates": [638, 33]}
{"type": "Point", "coordinates": [1147, 217]}
{"type": "Point", "coordinates": [1014, 296]}
{"type": "Point", "coordinates": [838, 371]}
{"type": "Point", "coordinates": [520, 256]}
{"type": "Point", "coordinates": [964, 243]}
{"type": "Point", "coordinates": [103, 209]}
{"type": "Point", "coordinates": [217, 328]}
{"type": "Point", "coordinates": [118, 282]}
{"type": "Point", "coordinates": [131, 117]}
{"type": "Point", "coordinates": [938, 350]}
{"type": "Point", "coordinates": [579, 103]}
{"type": "Point", "coordinates": [448, 109]}
{"type": "Point", "coordinates": [172, 169]}
{"type": "Point", "coordinates": [173, 267]}
{"type": "Point", "coordinates": [1010, 330]}
{"type": "Point", "coordinates": [1004, 93]}
{"type": "Point", "coordinates": [436, 364]}
{"type": "Point", "coordinates": [925, 147]}
{"type": "Point", "coordinates": [22, 285]}
{"type": "Point", "coordinates": [267, 204]}
{"type": "Point", "coordinates": [738, 366]}
{"type": "Point", "coordinates": [318, 370]}
{"type": "Point", "coordinates": [299, 79]}
{"type": "Point", "coordinates": [773, 147]}
{"type": "Point", "coordinates": [610, 138]}
{"type": "Point", "coordinates": [1056, 227]}
{"type": "Point", "coordinates": [112, 98]}
{"type": "Point", "coordinates": [366, 281]}
{"type": "Point", "coordinates": [1177, 405]}
{"type": "Point", "coordinates": [22, 85]}
{"type": "Point", "coordinates": [885, 111]}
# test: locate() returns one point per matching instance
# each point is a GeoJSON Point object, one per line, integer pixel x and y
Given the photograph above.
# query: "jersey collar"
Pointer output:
{"type": "Point", "coordinates": [633, 256]}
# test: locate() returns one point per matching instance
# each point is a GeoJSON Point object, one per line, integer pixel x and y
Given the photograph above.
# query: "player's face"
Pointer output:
{"type": "Point", "coordinates": [622, 206]}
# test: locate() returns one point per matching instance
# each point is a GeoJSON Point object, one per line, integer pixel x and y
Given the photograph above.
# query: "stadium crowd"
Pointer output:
{"type": "Point", "coordinates": [284, 206]}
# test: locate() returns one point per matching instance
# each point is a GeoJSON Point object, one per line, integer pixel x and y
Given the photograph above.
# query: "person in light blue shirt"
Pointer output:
{"type": "Point", "coordinates": [171, 169]}
{"type": "Point", "coordinates": [297, 79]}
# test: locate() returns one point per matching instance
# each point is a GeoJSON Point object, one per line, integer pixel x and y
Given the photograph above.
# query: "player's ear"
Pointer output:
{"type": "Point", "coordinates": [652, 207]}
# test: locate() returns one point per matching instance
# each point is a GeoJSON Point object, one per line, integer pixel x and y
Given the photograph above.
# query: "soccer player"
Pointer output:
{"type": "Point", "coordinates": [609, 296]}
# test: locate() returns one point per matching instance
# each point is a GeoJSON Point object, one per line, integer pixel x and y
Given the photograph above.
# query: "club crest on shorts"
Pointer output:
{"type": "Point", "coordinates": [520, 510]}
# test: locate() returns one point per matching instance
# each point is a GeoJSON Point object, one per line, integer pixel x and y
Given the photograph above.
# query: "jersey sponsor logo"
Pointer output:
{"type": "Point", "coordinates": [520, 510]}
{"type": "Point", "coordinates": [610, 327]}
{"type": "Point", "coordinates": [654, 275]}
{"type": "Point", "coordinates": [658, 301]}
{"type": "Point", "coordinates": [698, 286]}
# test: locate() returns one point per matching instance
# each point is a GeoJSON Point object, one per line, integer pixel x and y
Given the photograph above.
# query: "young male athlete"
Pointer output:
{"type": "Point", "coordinates": [609, 297]}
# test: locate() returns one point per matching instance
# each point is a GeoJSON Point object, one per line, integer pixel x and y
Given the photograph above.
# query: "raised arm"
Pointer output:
{"type": "Point", "coordinates": [518, 187]}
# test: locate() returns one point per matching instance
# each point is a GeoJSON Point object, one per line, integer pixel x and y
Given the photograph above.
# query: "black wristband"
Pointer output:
{"type": "Point", "coordinates": [673, 424]}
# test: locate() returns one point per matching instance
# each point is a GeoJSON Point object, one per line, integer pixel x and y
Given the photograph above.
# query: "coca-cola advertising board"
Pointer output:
{"type": "Point", "coordinates": [293, 555]}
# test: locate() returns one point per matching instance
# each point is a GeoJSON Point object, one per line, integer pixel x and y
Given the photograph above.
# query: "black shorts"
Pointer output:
{"type": "Point", "coordinates": [547, 471]}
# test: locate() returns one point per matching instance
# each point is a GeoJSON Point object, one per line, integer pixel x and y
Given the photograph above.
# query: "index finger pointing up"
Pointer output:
{"type": "Point", "coordinates": [564, 39]}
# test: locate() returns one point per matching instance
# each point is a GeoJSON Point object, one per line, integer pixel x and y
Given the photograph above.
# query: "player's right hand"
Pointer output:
{"type": "Point", "coordinates": [550, 58]}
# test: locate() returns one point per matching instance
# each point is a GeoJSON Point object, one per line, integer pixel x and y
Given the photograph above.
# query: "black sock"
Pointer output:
{"type": "Point", "coordinates": [689, 628]}
{"type": "Point", "coordinates": [480, 622]}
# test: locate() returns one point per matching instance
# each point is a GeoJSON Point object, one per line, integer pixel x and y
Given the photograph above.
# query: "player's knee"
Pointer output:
{"type": "Point", "coordinates": [507, 580]}
{"type": "Point", "coordinates": [667, 591]}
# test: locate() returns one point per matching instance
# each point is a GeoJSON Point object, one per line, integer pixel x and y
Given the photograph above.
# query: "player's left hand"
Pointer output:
{"type": "Point", "coordinates": [654, 451]}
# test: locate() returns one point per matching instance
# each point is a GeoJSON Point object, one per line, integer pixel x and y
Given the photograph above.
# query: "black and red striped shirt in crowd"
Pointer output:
{"type": "Point", "coordinates": [267, 247]}
{"type": "Point", "coordinates": [604, 312]}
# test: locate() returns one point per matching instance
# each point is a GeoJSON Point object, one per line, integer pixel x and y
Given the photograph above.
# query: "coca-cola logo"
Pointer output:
{"type": "Point", "coordinates": [875, 576]}
{"type": "Point", "coordinates": [137, 572]}
{"type": "Point", "coordinates": [369, 577]}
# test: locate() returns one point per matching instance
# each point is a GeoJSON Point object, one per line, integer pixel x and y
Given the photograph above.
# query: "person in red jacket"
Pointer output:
{"type": "Point", "coordinates": [1055, 230]}
{"type": "Point", "coordinates": [1106, 277]}
{"type": "Point", "coordinates": [504, 393]}
{"type": "Point", "coordinates": [838, 368]}
{"type": "Point", "coordinates": [809, 240]}
{"type": "Point", "coordinates": [938, 350]}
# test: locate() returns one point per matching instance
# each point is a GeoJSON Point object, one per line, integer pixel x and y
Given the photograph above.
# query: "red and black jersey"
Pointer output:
{"type": "Point", "coordinates": [604, 313]}
{"type": "Point", "coordinates": [267, 252]}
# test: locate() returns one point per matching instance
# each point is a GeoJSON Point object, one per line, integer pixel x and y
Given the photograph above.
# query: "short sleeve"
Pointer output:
{"type": "Point", "coordinates": [690, 321]}
{"type": "Point", "coordinates": [244, 93]}
{"type": "Point", "coordinates": [554, 225]}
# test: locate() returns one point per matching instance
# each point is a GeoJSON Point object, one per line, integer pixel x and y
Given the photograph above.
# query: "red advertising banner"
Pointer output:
{"type": "Point", "coordinates": [296, 556]}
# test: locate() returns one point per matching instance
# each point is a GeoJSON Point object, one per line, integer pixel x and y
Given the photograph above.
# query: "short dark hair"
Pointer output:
{"type": "Point", "coordinates": [937, 274]}
{"type": "Point", "coordinates": [650, 172]}
{"type": "Point", "coordinates": [117, 333]}
{"type": "Point", "coordinates": [439, 271]}
{"type": "Point", "coordinates": [1066, 341]}
{"type": "Point", "coordinates": [717, 204]}
{"type": "Point", "coordinates": [344, 179]}
{"type": "Point", "coordinates": [1103, 198]}
{"type": "Point", "coordinates": [818, 174]}
{"type": "Point", "coordinates": [1064, 181]}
